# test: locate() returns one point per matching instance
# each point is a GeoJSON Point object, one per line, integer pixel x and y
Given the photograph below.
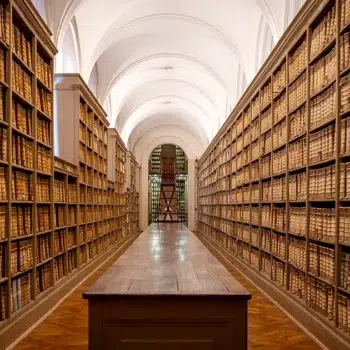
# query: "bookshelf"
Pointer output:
{"type": "Point", "coordinates": [26, 156]}
{"type": "Point", "coordinates": [272, 185]}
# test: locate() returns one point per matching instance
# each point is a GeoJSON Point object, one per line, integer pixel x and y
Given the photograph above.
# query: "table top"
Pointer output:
{"type": "Point", "coordinates": [167, 260]}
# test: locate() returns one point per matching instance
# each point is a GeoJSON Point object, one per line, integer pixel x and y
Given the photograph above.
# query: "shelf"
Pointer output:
{"type": "Point", "coordinates": [345, 71]}
{"type": "Point", "coordinates": [278, 93]}
{"type": "Point", "coordinates": [43, 262]}
{"type": "Point", "coordinates": [43, 115]}
{"type": "Point", "coordinates": [323, 51]}
{"type": "Point", "coordinates": [60, 228]}
{"type": "Point", "coordinates": [44, 233]}
{"type": "Point", "coordinates": [43, 85]}
{"type": "Point", "coordinates": [321, 279]}
{"type": "Point", "coordinates": [323, 125]}
{"type": "Point", "coordinates": [296, 108]}
{"type": "Point", "coordinates": [20, 167]}
{"type": "Point", "coordinates": [17, 274]}
{"type": "Point", "coordinates": [323, 89]}
{"type": "Point", "coordinates": [322, 162]}
{"type": "Point", "coordinates": [16, 95]}
{"type": "Point", "coordinates": [18, 238]}
{"type": "Point", "coordinates": [44, 174]}
{"type": "Point", "coordinates": [22, 133]}
{"type": "Point", "coordinates": [297, 76]}
{"type": "Point", "coordinates": [22, 63]}
{"type": "Point", "coordinates": [44, 145]}
{"type": "Point", "coordinates": [345, 28]}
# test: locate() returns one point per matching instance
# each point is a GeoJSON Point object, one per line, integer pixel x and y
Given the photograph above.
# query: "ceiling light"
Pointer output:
{"type": "Point", "coordinates": [167, 68]}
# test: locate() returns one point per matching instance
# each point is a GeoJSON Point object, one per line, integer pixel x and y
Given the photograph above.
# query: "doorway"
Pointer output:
{"type": "Point", "coordinates": [168, 182]}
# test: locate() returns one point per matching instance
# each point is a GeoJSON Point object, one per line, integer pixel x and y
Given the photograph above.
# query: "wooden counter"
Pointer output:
{"type": "Point", "coordinates": [167, 290]}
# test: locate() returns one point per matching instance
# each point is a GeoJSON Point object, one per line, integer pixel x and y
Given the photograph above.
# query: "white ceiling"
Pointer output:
{"type": "Point", "coordinates": [179, 64]}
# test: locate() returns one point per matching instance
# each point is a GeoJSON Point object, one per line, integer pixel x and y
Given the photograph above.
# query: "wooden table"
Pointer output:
{"type": "Point", "coordinates": [167, 291]}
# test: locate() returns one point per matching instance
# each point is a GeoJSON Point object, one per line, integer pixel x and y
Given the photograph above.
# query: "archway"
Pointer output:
{"type": "Point", "coordinates": [167, 185]}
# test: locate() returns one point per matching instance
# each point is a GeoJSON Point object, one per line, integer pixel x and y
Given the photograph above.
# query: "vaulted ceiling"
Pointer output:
{"type": "Point", "coordinates": [166, 65]}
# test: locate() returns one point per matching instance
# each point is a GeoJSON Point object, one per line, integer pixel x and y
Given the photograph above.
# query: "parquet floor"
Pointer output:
{"type": "Point", "coordinates": [67, 326]}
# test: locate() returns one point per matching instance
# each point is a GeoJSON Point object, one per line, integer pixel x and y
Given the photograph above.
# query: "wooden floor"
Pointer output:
{"type": "Point", "coordinates": [67, 326]}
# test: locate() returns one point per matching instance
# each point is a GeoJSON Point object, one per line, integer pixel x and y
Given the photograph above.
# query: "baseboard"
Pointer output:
{"type": "Point", "coordinates": [16, 328]}
{"type": "Point", "coordinates": [325, 336]}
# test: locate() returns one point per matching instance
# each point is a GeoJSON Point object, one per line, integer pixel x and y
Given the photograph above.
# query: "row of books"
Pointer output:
{"type": "Point", "coordinates": [22, 46]}
{"type": "Point", "coordinates": [43, 131]}
{"type": "Point", "coordinates": [323, 72]}
{"type": "Point", "coordinates": [21, 221]}
{"type": "Point", "coordinates": [59, 216]}
{"type": "Point", "coordinates": [59, 243]}
{"type": "Point", "coordinates": [297, 61]}
{"type": "Point", "coordinates": [43, 277]}
{"type": "Point", "coordinates": [3, 144]}
{"type": "Point", "coordinates": [58, 268]}
{"type": "Point", "coordinates": [344, 12]}
{"type": "Point", "coordinates": [345, 51]}
{"type": "Point", "coordinates": [22, 151]}
{"type": "Point", "coordinates": [43, 218]}
{"type": "Point", "coordinates": [43, 189]}
{"type": "Point", "coordinates": [22, 81]}
{"type": "Point", "coordinates": [43, 249]}
{"type": "Point", "coordinates": [21, 255]}
{"type": "Point", "coordinates": [5, 22]}
{"type": "Point", "coordinates": [44, 71]}
{"type": "Point", "coordinates": [59, 192]}
{"type": "Point", "coordinates": [345, 270]}
{"type": "Point", "coordinates": [21, 291]}
{"type": "Point", "coordinates": [322, 262]}
{"type": "Point", "coordinates": [22, 118]}
{"type": "Point", "coordinates": [44, 159]}
{"type": "Point", "coordinates": [345, 94]}
{"type": "Point", "coordinates": [2, 222]}
{"type": "Point", "coordinates": [44, 101]}
{"type": "Point", "coordinates": [323, 107]}
{"type": "Point", "coordinates": [266, 95]}
{"type": "Point", "coordinates": [323, 33]}
{"type": "Point", "coordinates": [22, 186]}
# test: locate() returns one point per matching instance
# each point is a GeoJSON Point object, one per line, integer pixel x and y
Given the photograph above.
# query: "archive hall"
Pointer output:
{"type": "Point", "coordinates": [174, 174]}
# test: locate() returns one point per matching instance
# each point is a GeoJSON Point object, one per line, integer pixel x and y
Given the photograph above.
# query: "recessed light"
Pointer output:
{"type": "Point", "coordinates": [167, 68]}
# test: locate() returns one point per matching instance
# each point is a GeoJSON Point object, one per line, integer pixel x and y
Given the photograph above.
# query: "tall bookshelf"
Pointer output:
{"type": "Point", "coordinates": [273, 184]}
{"type": "Point", "coordinates": [26, 156]}
{"type": "Point", "coordinates": [65, 219]}
{"type": "Point", "coordinates": [117, 173]}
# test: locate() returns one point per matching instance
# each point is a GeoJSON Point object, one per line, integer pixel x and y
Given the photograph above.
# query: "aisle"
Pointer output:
{"type": "Point", "coordinates": [67, 328]}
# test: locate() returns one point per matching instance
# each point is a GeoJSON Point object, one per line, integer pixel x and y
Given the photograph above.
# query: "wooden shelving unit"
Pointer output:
{"type": "Point", "coordinates": [273, 184]}
{"type": "Point", "coordinates": [65, 219]}
{"type": "Point", "coordinates": [26, 156]}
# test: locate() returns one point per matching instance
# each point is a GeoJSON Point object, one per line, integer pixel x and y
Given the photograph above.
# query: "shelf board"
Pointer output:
{"type": "Point", "coordinates": [323, 51]}
{"type": "Point", "coordinates": [22, 202]}
{"type": "Point", "coordinates": [3, 123]}
{"type": "Point", "coordinates": [345, 71]}
{"type": "Point", "coordinates": [71, 248]}
{"type": "Point", "coordinates": [321, 279]}
{"type": "Point", "coordinates": [322, 162]}
{"type": "Point", "coordinates": [44, 174]}
{"type": "Point", "coordinates": [22, 63]}
{"type": "Point", "coordinates": [22, 133]}
{"type": "Point", "coordinates": [43, 232]}
{"type": "Point", "coordinates": [44, 144]}
{"type": "Point", "coordinates": [345, 113]}
{"type": "Point", "coordinates": [296, 77]}
{"type": "Point", "coordinates": [323, 125]}
{"type": "Point", "coordinates": [3, 162]}
{"type": "Point", "coordinates": [43, 203]}
{"type": "Point", "coordinates": [344, 28]}
{"type": "Point", "coordinates": [4, 84]}
{"type": "Point", "coordinates": [22, 99]}
{"type": "Point", "coordinates": [59, 254]}
{"type": "Point", "coordinates": [296, 108]}
{"type": "Point", "coordinates": [321, 241]}
{"type": "Point", "coordinates": [44, 262]}
{"type": "Point", "coordinates": [43, 85]}
{"type": "Point", "coordinates": [20, 167]}
{"type": "Point", "coordinates": [295, 266]}
{"type": "Point", "coordinates": [3, 280]}
{"type": "Point", "coordinates": [19, 273]}
{"type": "Point", "coordinates": [323, 89]}
{"type": "Point", "coordinates": [60, 228]}
{"type": "Point", "coordinates": [277, 94]}
{"type": "Point", "coordinates": [43, 115]}
{"type": "Point", "coordinates": [344, 290]}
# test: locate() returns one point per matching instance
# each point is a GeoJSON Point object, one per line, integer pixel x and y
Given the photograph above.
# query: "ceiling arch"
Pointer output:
{"type": "Point", "coordinates": [160, 105]}
{"type": "Point", "coordinates": [191, 52]}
